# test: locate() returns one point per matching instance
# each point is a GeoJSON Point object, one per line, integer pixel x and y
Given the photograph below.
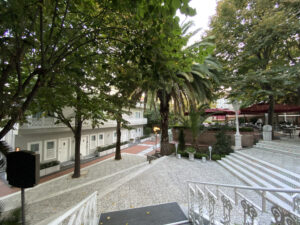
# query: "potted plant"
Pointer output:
{"type": "Point", "coordinates": [191, 152]}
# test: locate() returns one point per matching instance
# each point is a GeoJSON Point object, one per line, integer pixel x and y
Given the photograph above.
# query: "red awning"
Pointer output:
{"type": "Point", "coordinates": [263, 108]}
{"type": "Point", "coordinates": [219, 111]}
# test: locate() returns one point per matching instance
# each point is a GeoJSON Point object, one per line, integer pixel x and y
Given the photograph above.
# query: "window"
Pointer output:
{"type": "Point", "coordinates": [100, 137]}
{"type": "Point", "coordinates": [93, 138]}
{"type": "Point", "coordinates": [50, 150]}
{"type": "Point", "coordinates": [137, 114]}
{"type": "Point", "coordinates": [35, 147]}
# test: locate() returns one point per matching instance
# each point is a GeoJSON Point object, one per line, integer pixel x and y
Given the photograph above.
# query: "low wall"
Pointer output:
{"type": "Point", "coordinates": [209, 137]}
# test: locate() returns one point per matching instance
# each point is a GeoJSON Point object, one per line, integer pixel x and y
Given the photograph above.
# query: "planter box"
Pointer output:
{"type": "Point", "coordinates": [49, 170]}
{"type": "Point", "coordinates": [191, 156]}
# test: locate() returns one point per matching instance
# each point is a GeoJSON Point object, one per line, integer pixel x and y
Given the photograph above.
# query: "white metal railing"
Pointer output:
{"type": "Point", "coordinates": [207, 202]}
{"type": "Point", "coordinates": [84, 213]}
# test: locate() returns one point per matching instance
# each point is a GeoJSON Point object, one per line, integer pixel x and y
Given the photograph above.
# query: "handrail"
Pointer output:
{"type": "Point", "coordinates": [73, 210]}
{"type": "Point", "coordinates": [290, 190]}
{"type": "Point", "coordinates": [202, 202]}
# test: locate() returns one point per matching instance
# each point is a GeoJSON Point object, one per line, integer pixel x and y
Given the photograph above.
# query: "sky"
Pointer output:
{"type": "Point", "coordinates": [205, 9]}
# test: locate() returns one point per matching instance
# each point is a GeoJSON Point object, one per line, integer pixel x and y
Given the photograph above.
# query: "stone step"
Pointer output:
{"type": "Point", "coordinates": [258, 181]}
{"type": "Point", "coordinates": [282, 143]}
{"type": "Point", "coordinates": [285, 172]}
{"type": "Point", "coordinates": [277, 150]}
{"type": "Point", "coordinates": [271, 197]}
{"type": "Point", "coordinates": [270, 170]}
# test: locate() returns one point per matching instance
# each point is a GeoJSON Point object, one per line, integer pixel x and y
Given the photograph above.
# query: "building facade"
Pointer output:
{"type": "Point", "coordinates": [54, 141]}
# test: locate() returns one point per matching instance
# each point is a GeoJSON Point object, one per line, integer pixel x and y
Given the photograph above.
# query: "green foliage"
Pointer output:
{"type": "Point", "coordinates": [101, 149]}
{"type": "Point", "coordinates": [200, 155]}
{"type": "Point", "coordinates": [190, 150]}
{"type": "Point", "coordinates": [153, 117]}
{"type": "Point", "coordinates": [147, 130]}
{"type": "Point", "coordinates": [181, 140]}
{"type": "Point", "coordinates": [49, 164]}
{"type": "Point", "coordinates": [258, 45]}
{"type": "Point", "coordinates": [223, 144]}
{"type": "Point", "coordinates": [216, 157]}
{"type": "Point", "coordinates": [13, 218]}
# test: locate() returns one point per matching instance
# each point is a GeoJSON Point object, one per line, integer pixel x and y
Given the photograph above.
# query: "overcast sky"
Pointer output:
{"type": "Point", "coordinates": [205, 9]}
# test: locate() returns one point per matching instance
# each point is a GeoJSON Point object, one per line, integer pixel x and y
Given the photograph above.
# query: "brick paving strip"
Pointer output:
{"type": "Point", "coordinates": [6, 189]}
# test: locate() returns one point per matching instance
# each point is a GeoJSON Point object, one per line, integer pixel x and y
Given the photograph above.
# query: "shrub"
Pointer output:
{"type": "Point", "coordinates": [223, 144]}
{"type": "Point", "coordinates": [181, 145]}
{"type": "Point", "coordinates": [215, 157]}
{"type": "Point", "coordinates": [13, 218]}
{"type": "Point", "coordinates": [200, 155]}
{"type": "Point", "coordinates": [49, 164]}
{"type": "Point", "coordinates": [183, 154]}
{"type": "Point", "coordinates": [190, 150]}
{"type": "Point", "coordinates": [147, 130]}
{"type": "Point", "coordinates": [101, 149]}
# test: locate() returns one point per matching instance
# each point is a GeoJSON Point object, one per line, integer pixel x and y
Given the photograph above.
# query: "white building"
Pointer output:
{"type": "Point", "coordinates": [56, 141]}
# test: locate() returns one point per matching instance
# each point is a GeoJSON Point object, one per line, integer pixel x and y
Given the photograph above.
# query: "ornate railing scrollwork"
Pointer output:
{"type": "Point", "coordinates": [206, 208]}
{"type": "Point", "coordinates": [249, 212]}
{"type": "Point", "coordinates": [227, 207]}
{"type": "Point", "coordinates": [283, 217]}
{"type": "Point", "coordinates": [211, 208]}
{"type": "Point", "coordinates": [200, 198]}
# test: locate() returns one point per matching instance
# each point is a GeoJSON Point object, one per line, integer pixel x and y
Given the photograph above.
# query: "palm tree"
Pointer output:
{"type": "Point", "coordinates": [186, 90]}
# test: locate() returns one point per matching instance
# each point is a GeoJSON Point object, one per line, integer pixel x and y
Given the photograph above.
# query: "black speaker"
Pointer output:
{"type": "Point", "coordinates": [23, 169]}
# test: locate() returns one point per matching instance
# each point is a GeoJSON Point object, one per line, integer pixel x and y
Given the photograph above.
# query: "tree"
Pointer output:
{"type": "Point", "coordinates": [81, 94]}
{"type": "Point", "coordinates": [258, 44]}
{"type": "Point", "coordinates": [37, 37]}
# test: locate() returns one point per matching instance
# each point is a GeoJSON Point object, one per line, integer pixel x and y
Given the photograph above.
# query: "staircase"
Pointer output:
{"type": "Point", "coordinates": [257, 172]}
{"type": "Point", "coordinates": [286, 148]}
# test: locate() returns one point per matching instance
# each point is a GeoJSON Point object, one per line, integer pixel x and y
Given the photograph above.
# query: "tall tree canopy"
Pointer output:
{"type": "Point", "coordinates": [259, 45]}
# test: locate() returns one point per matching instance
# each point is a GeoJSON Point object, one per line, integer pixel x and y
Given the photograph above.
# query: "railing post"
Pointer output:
{"type": "Point", "coordinates": [236, 202]}
{"type": "Point", "coordinates": [263, 201]}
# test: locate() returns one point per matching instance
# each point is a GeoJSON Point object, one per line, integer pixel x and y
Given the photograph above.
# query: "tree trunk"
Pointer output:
{"type": "Point", "coordinates": [118, 144]}
{"type": "Point", "coordinates": [77, 137]}
{"type": "Point", "coordinates": [164, 123]}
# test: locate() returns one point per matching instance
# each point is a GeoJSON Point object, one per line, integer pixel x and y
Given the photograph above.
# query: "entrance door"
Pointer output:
{"type": "Point", "coordinates": [63, 149]}
{"type": "Point", "coordinates": [84, 145]}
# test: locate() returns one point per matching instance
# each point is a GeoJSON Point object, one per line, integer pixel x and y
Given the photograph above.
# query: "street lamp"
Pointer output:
{"type": "Point", "coordinates": [238, 137]}
{"type": "Point", "coordinates": [156, 129]}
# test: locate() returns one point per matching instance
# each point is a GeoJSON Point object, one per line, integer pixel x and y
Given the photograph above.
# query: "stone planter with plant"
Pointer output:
{"type": "Point", "coordinates": [49, 167]}
{"type": "Point", "coordinates": [191, 151]}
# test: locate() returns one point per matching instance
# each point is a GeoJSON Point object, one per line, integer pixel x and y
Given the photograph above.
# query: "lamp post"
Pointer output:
{"type": "Point", "coordinates": [156, 129]}
{"type": "Point", "coordinates": [238, 137]}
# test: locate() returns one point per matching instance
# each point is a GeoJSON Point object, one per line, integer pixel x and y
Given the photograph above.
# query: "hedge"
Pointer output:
{"type": "Point", "coordinates": [101, 149]}
{"type": "Point", "coordinates": [49, 164]}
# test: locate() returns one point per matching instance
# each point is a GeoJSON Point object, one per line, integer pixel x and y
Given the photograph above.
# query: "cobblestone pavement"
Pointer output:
{"type": "Point", "coordinates": [167, 182]}
{"type": "Point", "coordinates": [89, 176]}
{"type": "Point", "coordinates": [136, 149]}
